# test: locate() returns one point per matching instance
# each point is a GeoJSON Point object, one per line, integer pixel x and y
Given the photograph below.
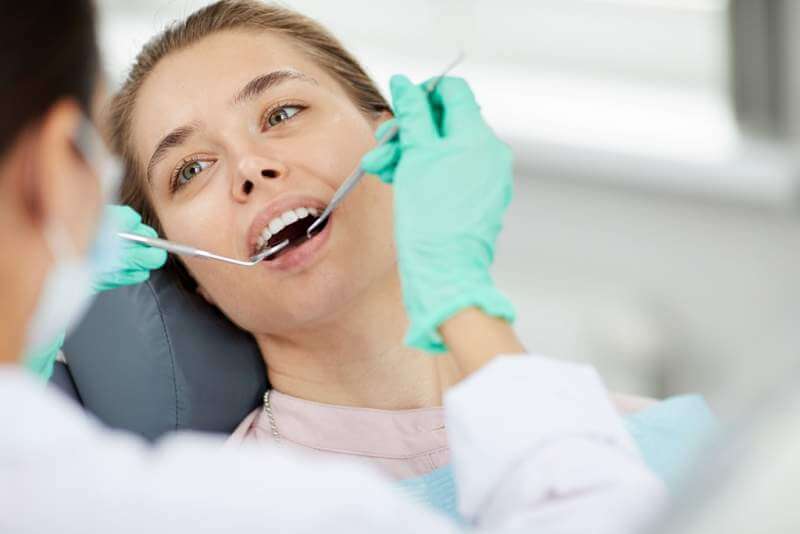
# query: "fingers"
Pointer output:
{"type": "Point", "coordinates": [139, 256]}
{"type": "Point", "coordinates": [381, 161]}
{"type": "Point", "coordinates": [147, 231]}
{"type": "Point", "coordinates": [144, 257]}
{"type": "Point", "coordinates": [413, 112]}
{"type": "Point", "coordinates": [120, 279]}
{"type": "Point", "coordinates": [135, 261]}
{"type": "Point", "coordinates": [130, 278]}
{"type": "Point", "coordinates": [128, 219]}
{"type": "Point", "coordinates": [135, 255]}
{"type": "Point", "coordinates": [383, 130]}
{"type": "Point", "coordinates": [125, 218]}
{"type": "Point", "coordinates": [461, 113]}
{"type": "Point", "coordinates": [449, 111]}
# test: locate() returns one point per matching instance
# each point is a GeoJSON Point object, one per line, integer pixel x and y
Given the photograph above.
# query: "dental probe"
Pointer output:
{"type": "Point", "coordinates": [186, 250]}
{"type": "Point", "coordinates": [353, 180]}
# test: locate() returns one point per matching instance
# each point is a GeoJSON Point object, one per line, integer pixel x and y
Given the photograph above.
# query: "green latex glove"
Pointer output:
{"type": "Point", "coordinates": [40, 361]}
{"type": "Point", "coordinates": [135, 259]}
{"type": "Point", "coordinates": [132, 267]}
{"type": "Point", "coordinates": [452, 180]}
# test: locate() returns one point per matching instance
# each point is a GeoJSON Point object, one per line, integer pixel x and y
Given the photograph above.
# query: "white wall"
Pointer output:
{"type": "Point", "coordinates": [692, 295]}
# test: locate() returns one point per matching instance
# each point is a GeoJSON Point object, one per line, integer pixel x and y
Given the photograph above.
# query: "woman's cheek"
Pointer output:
{"type": "Point", "coordinates": [330, 162]}
{"type": "Point", "coordinates": [193, 225]}
{"type": "Point", "coordinates": [199, 222]}
{"type": "Point", "coordinates": [332, 155]}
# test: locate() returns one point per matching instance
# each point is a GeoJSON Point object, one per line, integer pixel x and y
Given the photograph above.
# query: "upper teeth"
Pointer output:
{"type": "Point", "coordinates": [285, 219]}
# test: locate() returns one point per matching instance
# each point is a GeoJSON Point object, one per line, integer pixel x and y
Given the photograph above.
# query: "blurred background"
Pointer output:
{"type": "Point", "coordinates": [655, 230]}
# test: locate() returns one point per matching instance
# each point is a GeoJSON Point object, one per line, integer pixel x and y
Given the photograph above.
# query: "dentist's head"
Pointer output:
{"type": "Point", "coordinates": [50, 199]}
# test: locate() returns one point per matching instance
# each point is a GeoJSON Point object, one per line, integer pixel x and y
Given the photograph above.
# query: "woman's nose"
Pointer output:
{"type": "Point", "coordinates": [257, 172]}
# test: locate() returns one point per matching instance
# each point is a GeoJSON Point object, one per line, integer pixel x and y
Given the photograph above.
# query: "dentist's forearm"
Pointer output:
{"type": "Point", "coordinates": [474, 338]}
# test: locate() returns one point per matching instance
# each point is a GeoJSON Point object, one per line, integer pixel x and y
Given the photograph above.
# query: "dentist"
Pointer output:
{"type": "Point", "coordinates": [559, 460]}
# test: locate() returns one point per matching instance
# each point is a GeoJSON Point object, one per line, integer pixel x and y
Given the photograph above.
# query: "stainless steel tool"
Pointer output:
{"type": "Point", "coordinates": [354, 179]}
{"type": "Point", "coordinates": [187, 250]}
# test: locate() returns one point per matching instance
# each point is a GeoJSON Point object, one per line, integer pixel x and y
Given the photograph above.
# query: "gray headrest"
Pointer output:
{"type": "Point", "coordinates": [153, 358]}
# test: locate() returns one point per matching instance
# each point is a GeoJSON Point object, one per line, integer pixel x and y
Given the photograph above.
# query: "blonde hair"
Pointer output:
{"type": "Point", "coordinates": [312, 39]}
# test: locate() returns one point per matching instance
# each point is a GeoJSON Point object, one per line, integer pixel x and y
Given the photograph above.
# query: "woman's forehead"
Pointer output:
{"type": "Point", "coordinates": [195, 83]}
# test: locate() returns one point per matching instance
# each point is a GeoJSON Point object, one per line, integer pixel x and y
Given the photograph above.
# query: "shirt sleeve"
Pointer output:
{"type": "Point", "coordinates": [62, 472]}
{"type": "Point", "coordinates": [536, 443]}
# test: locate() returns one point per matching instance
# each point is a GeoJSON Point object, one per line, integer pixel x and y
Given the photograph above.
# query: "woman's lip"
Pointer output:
{"type": "Point", "coordinates": [303, 255]}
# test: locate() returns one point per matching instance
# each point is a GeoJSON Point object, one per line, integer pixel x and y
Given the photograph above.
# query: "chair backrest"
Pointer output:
{"type": "Point", "coordinates": [153, 358]}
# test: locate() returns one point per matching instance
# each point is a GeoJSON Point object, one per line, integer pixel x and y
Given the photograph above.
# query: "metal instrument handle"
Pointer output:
{"type": "Point", "coordinates": [353, 180]}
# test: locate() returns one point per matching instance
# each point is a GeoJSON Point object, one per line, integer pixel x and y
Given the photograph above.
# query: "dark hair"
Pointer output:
{"type": "Point", "coordinates": [48, 51]}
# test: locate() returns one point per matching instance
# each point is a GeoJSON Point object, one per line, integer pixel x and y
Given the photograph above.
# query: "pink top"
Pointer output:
{"type": "Point", "coordinates": [401, 443]}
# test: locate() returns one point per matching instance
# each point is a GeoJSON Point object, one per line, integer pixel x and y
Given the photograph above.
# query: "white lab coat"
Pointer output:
{"type": "Point", "coordinates": [557, 461]}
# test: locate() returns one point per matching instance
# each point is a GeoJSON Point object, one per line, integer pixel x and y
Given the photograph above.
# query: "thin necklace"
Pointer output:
{"type": "Point", "coordinates": [271, 418]}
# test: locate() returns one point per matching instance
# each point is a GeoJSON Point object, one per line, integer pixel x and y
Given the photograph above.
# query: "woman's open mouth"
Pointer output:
{"type": "Point", "coordinates": [291, 225]}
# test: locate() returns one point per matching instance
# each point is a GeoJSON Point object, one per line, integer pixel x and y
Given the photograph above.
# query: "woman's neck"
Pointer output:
{"type": "Point", "coordinates": [358, 358]}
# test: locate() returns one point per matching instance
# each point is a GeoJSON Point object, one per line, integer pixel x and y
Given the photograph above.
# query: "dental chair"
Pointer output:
{"type": "Point", "coordinates": [154, 358]}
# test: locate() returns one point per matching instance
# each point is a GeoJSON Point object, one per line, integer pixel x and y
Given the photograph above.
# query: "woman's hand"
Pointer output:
{"type": "Point", "coordinates": [135, 260]}
{"type": "Point", "coordinates": [453, 182]}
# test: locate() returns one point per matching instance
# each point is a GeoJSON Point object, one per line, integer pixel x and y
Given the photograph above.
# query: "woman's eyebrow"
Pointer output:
{"type": "Point", "coordinates": [251, 90]}
{"type": "Point", "coordinates": [259, 84]}
{"type": "Point", "coordinates": [176, 137]}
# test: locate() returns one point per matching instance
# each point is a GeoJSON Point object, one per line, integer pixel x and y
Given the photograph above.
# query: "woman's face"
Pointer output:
{"type": "Point", "coordinates": [236, 131]}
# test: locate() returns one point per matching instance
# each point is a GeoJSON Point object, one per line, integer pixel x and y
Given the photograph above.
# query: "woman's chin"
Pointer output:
{"type": "Point", "coordinates": [317, 283]}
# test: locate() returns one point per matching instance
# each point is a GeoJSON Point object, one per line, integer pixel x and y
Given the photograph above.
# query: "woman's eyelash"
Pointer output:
{"type": "Point", "coordinates": [274, 112]}
{"type": "Point", "coordinates": [200, 164]}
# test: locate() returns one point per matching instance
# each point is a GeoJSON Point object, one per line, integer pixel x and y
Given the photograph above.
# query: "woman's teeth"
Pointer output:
{"type": "Point", "coordinates": [285, 219]}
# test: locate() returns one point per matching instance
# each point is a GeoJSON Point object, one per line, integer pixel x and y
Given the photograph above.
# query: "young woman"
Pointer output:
{"type": "Point", "coordinates": [236, 127]}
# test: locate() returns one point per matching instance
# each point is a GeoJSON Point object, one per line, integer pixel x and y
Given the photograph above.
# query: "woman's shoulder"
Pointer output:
{"type": "Point", "coordinates": [241, 432]}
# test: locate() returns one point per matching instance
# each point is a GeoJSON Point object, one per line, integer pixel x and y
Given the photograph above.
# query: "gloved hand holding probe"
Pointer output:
{"type": "Point", "coordinates": [132, 266]}
{"type": "Point", "coordinates": [453, 182]}
{"type": "Point", "coordinates": [135, 260]}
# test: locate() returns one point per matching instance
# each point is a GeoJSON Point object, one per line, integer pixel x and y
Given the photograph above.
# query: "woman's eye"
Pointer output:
{"type": "Point", "coordinates": [189, 171]}
{"type": "Point", "coordinates": [282, 114]}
